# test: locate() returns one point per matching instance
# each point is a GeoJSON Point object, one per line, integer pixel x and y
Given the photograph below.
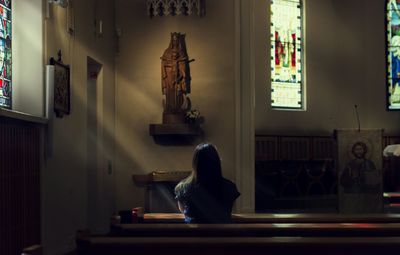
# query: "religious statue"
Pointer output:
{"type": "Point", "coordinates": [175, 74]}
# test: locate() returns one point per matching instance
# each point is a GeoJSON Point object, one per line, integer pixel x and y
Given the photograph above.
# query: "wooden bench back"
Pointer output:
{"type": "Point", "coordinates": [283, 218]}
{"type": "Point", "coordinates": [239, 245]}
{"type": "Point", "coordinates": [260, 229]}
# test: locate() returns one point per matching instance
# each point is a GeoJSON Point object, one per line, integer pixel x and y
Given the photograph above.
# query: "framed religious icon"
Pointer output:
{"type": "Point", "coordinates": [61, 87]}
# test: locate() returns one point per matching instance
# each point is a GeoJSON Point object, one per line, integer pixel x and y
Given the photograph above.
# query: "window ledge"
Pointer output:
{"type": "Point", "coordinates": [22, 116]}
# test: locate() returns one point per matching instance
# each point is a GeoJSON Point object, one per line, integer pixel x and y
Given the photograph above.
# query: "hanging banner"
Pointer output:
{"type": "Point", "coordinates": [360, 181]}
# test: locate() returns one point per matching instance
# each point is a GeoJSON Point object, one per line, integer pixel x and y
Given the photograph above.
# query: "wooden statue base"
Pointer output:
{"type": "Point", "coordinates": [173, 118]}
{"type": "Point", "coordinates": [175, 129]}
{"type": "Point", "coordinates": [175, 134]}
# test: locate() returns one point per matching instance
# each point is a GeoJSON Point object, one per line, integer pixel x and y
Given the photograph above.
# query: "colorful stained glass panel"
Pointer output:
{"type": "Point", "coordinates": [5, 53]}
{"type": "Point", "coordinates": [393, 54]}
{"type": "Point", "coordinates": [287, 95]}
{"type": "Point", "coordinates": [286, 54]}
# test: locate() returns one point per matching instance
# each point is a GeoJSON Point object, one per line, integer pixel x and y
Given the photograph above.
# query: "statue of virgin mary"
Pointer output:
{"type": "Point", "coordinates": [175, 83]}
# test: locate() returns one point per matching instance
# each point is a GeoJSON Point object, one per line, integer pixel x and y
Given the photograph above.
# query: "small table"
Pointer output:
{"type": "Point", "coordinates": [160, 189]}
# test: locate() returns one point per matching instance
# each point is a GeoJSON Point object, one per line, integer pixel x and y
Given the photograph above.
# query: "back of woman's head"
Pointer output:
{"type": "Point", "coordinates": [207, 165]}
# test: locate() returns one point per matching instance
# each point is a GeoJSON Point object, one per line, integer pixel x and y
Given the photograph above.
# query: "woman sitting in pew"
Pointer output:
{"type": "Point", "coordinates": [206, 196]}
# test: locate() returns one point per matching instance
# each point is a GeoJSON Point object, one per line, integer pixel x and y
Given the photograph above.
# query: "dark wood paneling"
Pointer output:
{"type": "Point", "coordinates": [19, 185]}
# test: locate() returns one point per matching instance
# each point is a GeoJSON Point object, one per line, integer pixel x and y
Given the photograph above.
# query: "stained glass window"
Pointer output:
{"type": "Point", "coordinates": [5, 53]}
{"type": "Point", "coordinates": [393, 54]}
{"type": "Point", "coordinates": [286, 54]}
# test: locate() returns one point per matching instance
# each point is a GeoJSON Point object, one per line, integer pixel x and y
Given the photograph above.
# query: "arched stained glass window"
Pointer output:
{"type": "Point", "coordinates": [287, 88]}
{"type": "Point", "coordinates": [393, 54]}
{"type": "Point", "coordinates": [5, 53]}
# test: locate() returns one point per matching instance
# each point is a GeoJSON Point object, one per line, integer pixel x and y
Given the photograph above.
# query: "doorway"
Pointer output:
{"type": "Point", "coordinates": [99, 171]}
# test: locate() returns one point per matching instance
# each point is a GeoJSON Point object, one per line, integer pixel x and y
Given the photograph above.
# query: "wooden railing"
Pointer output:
{"type": "Point", "coordinates": [274, 147]}
{"type": "Point", "coordinates": [294, 148]}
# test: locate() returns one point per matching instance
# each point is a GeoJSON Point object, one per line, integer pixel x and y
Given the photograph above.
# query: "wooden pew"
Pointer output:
{"type": "Point", "coordinates": [283, 218]}
{"type": "Point", "coordinates": [280, 234]}
{"type": "Point", "coordinates": [258, 230]}
{"type": "Point", "coordinates": [96, 245]}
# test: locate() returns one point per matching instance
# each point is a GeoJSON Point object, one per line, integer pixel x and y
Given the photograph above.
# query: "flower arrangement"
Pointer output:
{"type": "Point", "coordinates": [192, 116]}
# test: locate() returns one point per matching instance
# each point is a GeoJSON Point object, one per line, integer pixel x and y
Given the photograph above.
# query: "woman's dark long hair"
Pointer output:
{"type": "Point", "coordinates": [206, 165]}
{"type": "Point", "coordinates": [207, 170]}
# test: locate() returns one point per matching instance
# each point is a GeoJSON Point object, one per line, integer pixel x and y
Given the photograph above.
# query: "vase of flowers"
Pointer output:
{"type": "Point", "coordinates": [192, 116]}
